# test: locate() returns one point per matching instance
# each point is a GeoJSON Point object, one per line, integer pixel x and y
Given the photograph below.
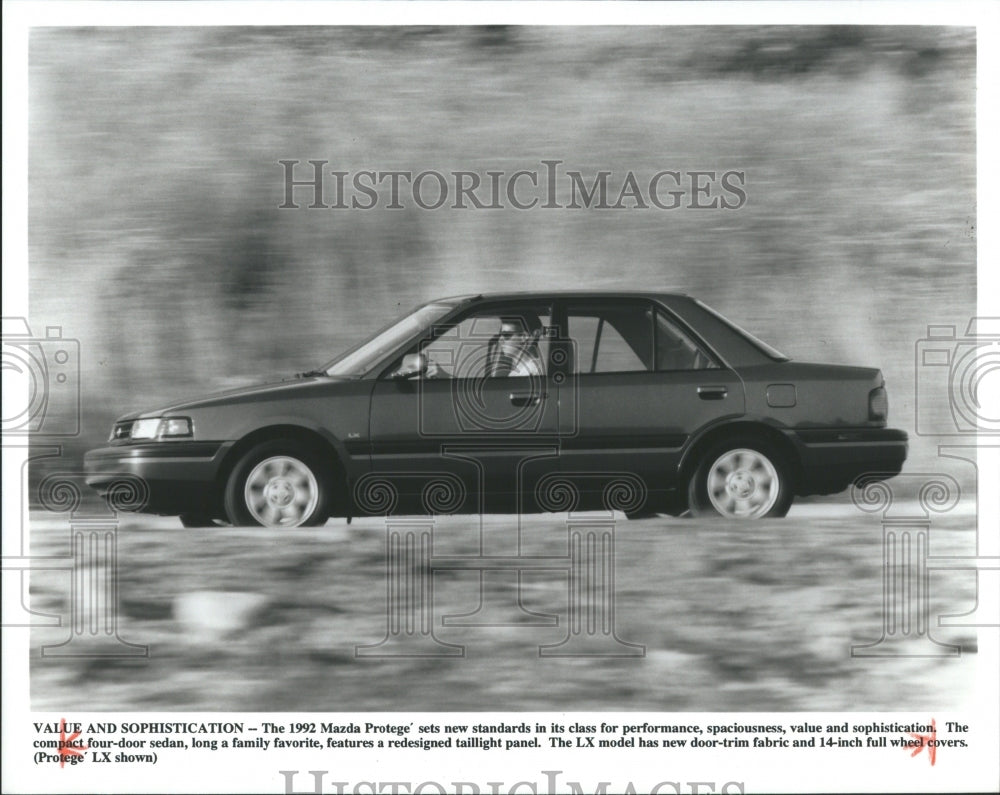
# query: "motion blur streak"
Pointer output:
{"type": "Point", "coordinates": [155, 237]}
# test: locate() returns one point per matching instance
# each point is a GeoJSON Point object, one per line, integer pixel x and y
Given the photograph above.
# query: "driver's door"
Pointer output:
{"type": "Point", "coordinates": [460, 422]}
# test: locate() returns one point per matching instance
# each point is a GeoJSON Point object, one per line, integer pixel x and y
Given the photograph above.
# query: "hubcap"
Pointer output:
{"type": "Point", "coordinates": [281, 492]}
{"type": "Point", "coordinates": [743, 484]}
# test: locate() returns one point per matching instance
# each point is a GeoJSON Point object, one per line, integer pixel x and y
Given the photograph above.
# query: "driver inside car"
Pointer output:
{"type": "Point", "coordinates": [514, 350]}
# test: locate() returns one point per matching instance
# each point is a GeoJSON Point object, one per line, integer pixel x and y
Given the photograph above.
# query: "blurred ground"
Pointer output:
{"type": "Point", "coordinates": [734, 617]}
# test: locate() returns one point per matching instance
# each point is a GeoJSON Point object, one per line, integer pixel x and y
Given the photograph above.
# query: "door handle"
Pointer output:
{"type": "Point", "coordinates": [712, 392]}
{"type": "Point", "coordinates": [526, 398]}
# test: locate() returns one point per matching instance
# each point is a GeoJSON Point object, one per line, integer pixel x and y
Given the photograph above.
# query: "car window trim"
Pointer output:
{"type": "Point", "coordinates": [448, 322]}
{"type": "Point", "coordinates": [597, 342]}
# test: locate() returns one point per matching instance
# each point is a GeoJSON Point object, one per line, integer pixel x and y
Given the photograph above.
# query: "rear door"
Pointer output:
{"type": "Point", "coordinates": [641, 385]}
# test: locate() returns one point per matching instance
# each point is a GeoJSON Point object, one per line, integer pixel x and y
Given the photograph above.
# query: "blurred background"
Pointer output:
{"type": "Point", "coordinates": [156, 238]}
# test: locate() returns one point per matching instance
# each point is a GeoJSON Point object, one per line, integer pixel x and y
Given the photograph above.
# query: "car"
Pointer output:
{"type": "Point", "coordinates": [519, 402]}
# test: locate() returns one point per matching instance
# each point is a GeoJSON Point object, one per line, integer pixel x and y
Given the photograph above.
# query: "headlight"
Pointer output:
{"type": "Point", "coordinates": [157, 428]}
{"type": "Point", "coordinates": [145, 429]}
{"type": "Point", "coordinates": [175, 426]}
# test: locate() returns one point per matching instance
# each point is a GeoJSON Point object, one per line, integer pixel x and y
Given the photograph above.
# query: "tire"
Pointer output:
{"type": "Point", "coordinates": [741, 479]}
{"type": "Point", "coordinates": [279, 484]}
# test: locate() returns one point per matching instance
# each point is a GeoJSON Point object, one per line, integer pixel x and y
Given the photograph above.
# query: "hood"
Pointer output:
{"type": "Point", "coordinates": [266, 391]}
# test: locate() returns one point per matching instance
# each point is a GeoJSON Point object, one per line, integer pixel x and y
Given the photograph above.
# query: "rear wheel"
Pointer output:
{"type": "Point", "coordinates": [278, 484]}
{"type": "Point", "coordinates": [741, 479]}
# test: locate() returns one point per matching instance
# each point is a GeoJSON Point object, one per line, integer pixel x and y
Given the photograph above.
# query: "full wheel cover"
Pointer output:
{"type": "Point", "coordinates": [741, 481]}
{"type": "Point", "coordinates": [277, 485]}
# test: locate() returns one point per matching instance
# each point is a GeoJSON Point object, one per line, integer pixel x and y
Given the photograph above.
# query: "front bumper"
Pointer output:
{"type": "Point", "coordinates": [832, 459]}
{"type": "Point", "coordinates": [180, 475]}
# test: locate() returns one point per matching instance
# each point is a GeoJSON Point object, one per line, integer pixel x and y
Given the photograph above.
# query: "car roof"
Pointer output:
{"type": "Point", "coordinates": [733, 345]}
{"type": "Point", "coordinates": [533, 294]}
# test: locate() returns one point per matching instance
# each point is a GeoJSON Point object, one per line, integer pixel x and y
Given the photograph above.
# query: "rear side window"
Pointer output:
{"type": "Point", "coordinates": [675, 350]}
{"type": "Point", "coordinates": [631, 337]}
{"type": "Point", "coordinates": [612, 338]}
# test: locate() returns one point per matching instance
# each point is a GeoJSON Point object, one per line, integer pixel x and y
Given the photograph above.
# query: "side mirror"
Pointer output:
{"type": "Point", "coordinates": [414, 365]}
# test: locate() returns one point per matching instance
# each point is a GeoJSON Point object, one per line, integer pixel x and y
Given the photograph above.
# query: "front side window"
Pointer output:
{"type": "Point", "coordinates": [497, 342]}
{"type": "Point", "coordinates": [362, 359]}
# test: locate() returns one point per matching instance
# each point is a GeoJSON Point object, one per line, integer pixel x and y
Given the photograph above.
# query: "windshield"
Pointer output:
{"type": "Point", "coordinates": [762, 346]}
{"type": "Point", "coordinates": [361, 359]}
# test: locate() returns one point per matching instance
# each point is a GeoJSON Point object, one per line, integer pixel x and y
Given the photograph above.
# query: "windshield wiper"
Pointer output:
{"type": "Point", "coordinates": [311, 374]}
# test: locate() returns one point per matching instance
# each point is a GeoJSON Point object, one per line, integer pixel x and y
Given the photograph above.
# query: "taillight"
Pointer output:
{"type": "Point", "coordinates": [878, 405]}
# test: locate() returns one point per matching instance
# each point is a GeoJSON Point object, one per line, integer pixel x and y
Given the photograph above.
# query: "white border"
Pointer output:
{"type": "Point", "coordinates": [203, 772]}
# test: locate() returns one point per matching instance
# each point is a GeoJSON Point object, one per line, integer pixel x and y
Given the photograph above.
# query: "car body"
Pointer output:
{"type": "Point", "coordinates": [644, 402]}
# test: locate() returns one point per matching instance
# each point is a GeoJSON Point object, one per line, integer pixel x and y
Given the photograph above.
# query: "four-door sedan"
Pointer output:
{"type": "Point", "coordinates": [522, 402]}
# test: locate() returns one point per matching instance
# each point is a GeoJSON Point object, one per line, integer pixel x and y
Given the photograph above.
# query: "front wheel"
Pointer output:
{"type": "Point", "coordinates": [744, 479]}
{"type": "Point", "coordinates": [278, 484]}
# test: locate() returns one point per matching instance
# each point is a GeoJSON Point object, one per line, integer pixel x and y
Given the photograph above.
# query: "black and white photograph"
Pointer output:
{"type": "Point", "coordinates": [610, 387]}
